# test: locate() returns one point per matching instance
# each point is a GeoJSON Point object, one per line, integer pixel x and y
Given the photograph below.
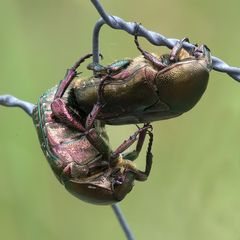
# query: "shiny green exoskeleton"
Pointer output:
{"type": "Point", "coordinates": [112, 68]}
{"type": "Point", "coordinates": [95, 175]}
{"type": "Point", "coordinates": [147, 88]}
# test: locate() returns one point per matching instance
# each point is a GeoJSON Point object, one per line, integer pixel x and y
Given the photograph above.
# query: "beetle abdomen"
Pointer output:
{"type": "Point", "coordinates": [182, 84]}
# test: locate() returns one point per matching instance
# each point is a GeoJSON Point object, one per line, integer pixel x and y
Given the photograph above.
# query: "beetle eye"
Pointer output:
{"type": "Point", "coordinates": [198, 53]}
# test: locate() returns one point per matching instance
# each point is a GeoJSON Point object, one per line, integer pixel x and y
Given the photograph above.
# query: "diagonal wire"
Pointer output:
{"type": "Point", "coordinates": [123, 222]}
{"type": "Point", "coordinates": [153, 37]}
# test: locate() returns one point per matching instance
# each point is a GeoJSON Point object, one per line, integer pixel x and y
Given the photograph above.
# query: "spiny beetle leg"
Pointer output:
{"type": "Point", "coordinates": [98, 165]}
{"type": "Point", "coordinates": [58, 106]}
{"type": "Point", "coordinates": [61, 112]}
{"type": "Point", "coordinates": [127, 143]}
{"type": "Point", "coordinates": [134, 154]}
{"type": "Point", "coordinates": [149, 154]}
{"type": "Point", "coordinates": [97, 106]}
{"type": "Point", "coordinates": [98, 142]}
{"type": "Point", "coordinates": [176, 50]}
{"type": "Point", "coordinates": [101, 89]}
{"type": "Point", "coordinates": [140, 175]}
{"type": "Point", "coordinates": [75, 170]}
{"type": "Point", "coordinates": [154, 60]}
{"type": "Point", "coordinates": [71, 73]}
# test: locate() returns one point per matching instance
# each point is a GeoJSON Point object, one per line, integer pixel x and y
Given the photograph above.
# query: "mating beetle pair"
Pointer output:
{"type": "Point", "coordinates": [90, 171]}
{"type": "Point", "coordinates": [80, 154]}
{"type": "Point", "coordinates": [70, 118]}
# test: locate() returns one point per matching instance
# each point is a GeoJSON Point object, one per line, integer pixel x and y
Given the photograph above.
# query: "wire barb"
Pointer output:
{"type": "Point", "coordinates": [153, 37]}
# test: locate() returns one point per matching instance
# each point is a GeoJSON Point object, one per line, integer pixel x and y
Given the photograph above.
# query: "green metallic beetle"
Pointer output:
{"type": "Point", "coordinates": [128, 91]}
{"type": "Point", "coordinates": [80, 155]}
{"type": "Point", "coordinates": [144, 89]}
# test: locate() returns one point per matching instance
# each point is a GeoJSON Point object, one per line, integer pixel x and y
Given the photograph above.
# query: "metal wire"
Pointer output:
{"type": "Point", "coordinates": [153, 37]}
{"type": "Point", "coordinates": [123, 222]}
{"type": "Point", "coordinates": [130, 27]}
{"type": "Point", "coordinates": [11, 101]}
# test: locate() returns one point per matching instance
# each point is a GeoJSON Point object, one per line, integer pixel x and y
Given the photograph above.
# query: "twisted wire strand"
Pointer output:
{"type": "Point", "coordinates": [153, 37]}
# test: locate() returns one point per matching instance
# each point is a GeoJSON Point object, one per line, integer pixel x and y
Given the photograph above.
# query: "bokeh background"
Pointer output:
{"type": "Point", "coordinates": [193, 192]}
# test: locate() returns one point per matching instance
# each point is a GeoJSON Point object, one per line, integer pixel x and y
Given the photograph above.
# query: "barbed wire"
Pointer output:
{"type": "Point", "coordinates": [153, 37]}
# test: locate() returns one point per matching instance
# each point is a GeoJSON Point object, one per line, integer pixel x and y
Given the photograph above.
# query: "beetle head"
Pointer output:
{"type": "Point", "coordinates": [203, 52]}
{"type": "Point", "coordinates": [122, 183]}
{"type": "Point", "coordinates": [107, 187]}
{"type": "Point", "coordinates": [199, 53]}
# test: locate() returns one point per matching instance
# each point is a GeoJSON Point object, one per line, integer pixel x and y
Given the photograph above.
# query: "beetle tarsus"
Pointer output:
{"type": "Point", "coordinates": [140, 175]}
{"type": "Point", "coordinates": [127, 143]}
{"type": "Point", "coordinates": [92, 115]}
{"type": "Point", "coordinates": [150, 57]}
{"type": "Point", "coordinates": [176, 50]}
{"type": "Point", "coordinates": [141, 139]}
{"type": "Point", "coordinates": [101, 89]}
{"type": "Point", "coordinates": [71, 73]}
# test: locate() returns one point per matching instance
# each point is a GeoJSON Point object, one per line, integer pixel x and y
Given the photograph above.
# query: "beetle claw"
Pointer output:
{"type": "Point", "coordinates": [78, 73]}
{"type": "Point", "coordinates": [101, 56]}
{"type": "Point", "coordinates": [137, 27]}
{"type": "Point", "coordinates": [176, 49]}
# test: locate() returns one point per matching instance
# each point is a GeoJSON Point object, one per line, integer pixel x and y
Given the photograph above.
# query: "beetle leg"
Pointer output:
{"type": "Point", "coordinates": [98, 165]}
{"type": "Point", "coordinates": [76, 170]}
{"type": "Point", "coordinates": [98, 69]}
{"type": "Point", "coordinates": [58, 106]}
{"type": "Point", "coordinates": [140, 175]}
{"type": "Point", "coordinates": [134, 154]}
{"type": "Point", "coordinates": [150, 57]}
{"type": "Point", "coordinates": [127, 143]}
{"type": "Point", "coordinates": [98, 142]}
{"type": "Point", "coordinates": [61, 112]}
{"type": "Point", "coordinates": [97, 107]}
{"type": "Point", "coordinates": [71, 73]}
{"type": "Point", "coordinates": [176, 50]}
{"type": "Point", "coordinates": [101, 89]}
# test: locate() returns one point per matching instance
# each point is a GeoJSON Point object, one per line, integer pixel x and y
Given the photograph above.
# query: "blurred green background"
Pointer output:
{"type": "Point", "coordinates": [193, 192]}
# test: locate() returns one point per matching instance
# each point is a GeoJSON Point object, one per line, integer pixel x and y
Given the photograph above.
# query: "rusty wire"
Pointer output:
{"type": "Point", "coordinates": [153, 37]}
